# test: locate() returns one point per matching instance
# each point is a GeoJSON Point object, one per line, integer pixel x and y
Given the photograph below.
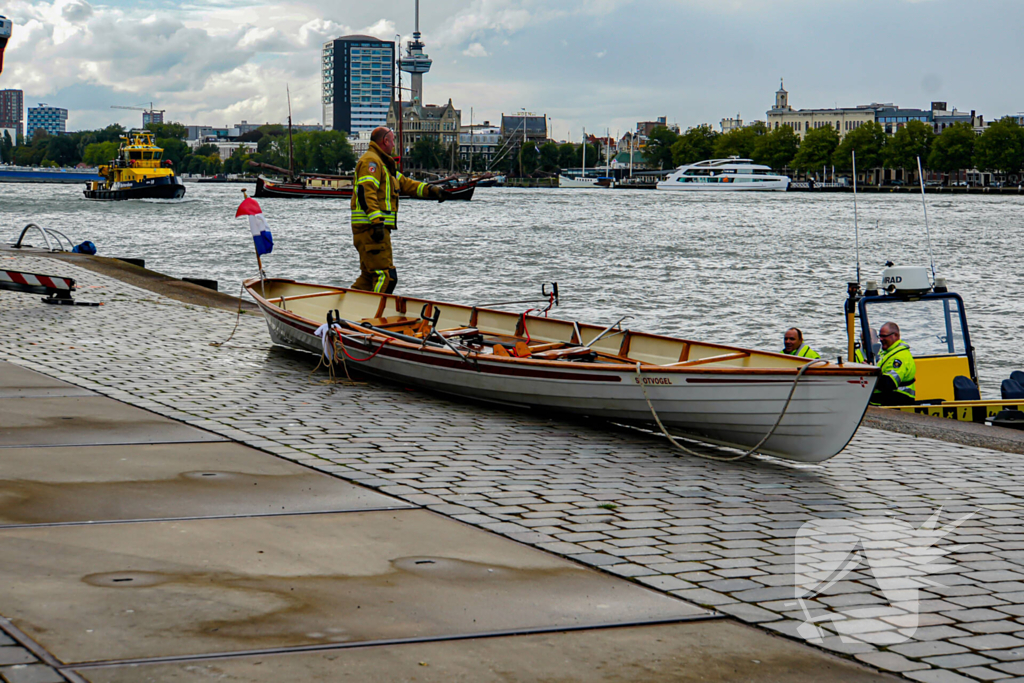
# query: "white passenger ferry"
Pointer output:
{"type": "Point", "coordinates": [724, 175]}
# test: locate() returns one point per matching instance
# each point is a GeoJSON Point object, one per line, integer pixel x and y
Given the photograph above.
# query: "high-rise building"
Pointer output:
{"type": "Point", "coordinates": [415, 62]}
{"type": "Point", "coordinates": [358, 80]}
{"type": "Point", "coordinates": [53, 120]}
{"type": "Point", "coordinates": [12, 110]}
{"type": "Point", "coordinates": [152, 116]}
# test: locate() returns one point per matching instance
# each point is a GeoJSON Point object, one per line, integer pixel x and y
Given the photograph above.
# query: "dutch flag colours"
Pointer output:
{"type": "Point", "coordinates": [257, 224]}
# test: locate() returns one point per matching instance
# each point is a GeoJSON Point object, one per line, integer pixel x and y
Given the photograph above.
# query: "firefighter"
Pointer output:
{"type": "Point", "coordinates": [896, 385]}
{"type": "Point", "coordinates": [378, 183]}
{"type": "Point", "coordinates": [793, 344]}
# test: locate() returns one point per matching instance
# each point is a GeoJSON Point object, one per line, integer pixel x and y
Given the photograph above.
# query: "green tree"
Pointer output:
{"type": "Point", "coordinates": [549, 157]}
{"type": "Point", "coordinates": [907, 144]}
{"type": "Point", "coordinates": [111, 133]}
{"type": "Point", "coordinates": [205, 150]}
{"type": "Point", "coordinates": [212, 164]}
{"type": "Point", "coordinates": [816, 149]}
{"type": "Point", "coordinates": [100, 153]}
{"type": "Point", "coordinates": [592, 156]}
{"type": "Point", "coordinates": [696, 144]}
{"type": "Point", "coordinates": [174, 149]}
{"type": "Point", "coordinates": [777, 148]}
{"type": "Point", "coordinates": [427, 153]}
{"type": "Point", "coordinates": [7, 148]}
{"type": "Point", "coordinates": [567, 155]}
{"type": "Point", "coordinates": [168, 130]}
{"type": "Point", "coordinates": [237, 162]}
{"type": "Point", "coordinates": [658, 150]}
{"type": "Point", "coordinates": [1001, 147]}
{"type": "Point", "coordinates": [953, 149]}
{"type": "Point", "coordinates": [868, 141]}
{"type": "Point", "coordinates": [739, 142]}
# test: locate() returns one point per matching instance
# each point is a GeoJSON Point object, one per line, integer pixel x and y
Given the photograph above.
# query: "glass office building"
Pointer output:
{"type": "Point", "coordinates": [358, 79]}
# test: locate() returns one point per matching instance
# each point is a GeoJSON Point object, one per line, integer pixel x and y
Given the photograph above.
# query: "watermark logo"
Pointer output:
{"type": "Point", "coordinates": [894, 555]}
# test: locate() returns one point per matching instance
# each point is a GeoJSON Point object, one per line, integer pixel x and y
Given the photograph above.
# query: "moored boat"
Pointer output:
{"type": "Point", "coordinates": [724, 175]}
{"type": "Point", "coordinates": [306, 187]}
{"type": "Point", "coordinates": [715, 392]}
{"type": "Point", "coordinates": [138, 172]}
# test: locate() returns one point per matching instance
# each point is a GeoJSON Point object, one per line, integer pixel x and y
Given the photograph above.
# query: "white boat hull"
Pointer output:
{"type": "Point", "coordinates": [762, 186]}
{"type": "Point", "coordinates": [565, 181]}
{"type": "Point", "coordinates": [734, 409]}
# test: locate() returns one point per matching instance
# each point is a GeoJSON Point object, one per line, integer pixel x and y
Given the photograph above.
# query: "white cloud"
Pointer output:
{"type": "Point", "coordinates": [475, 50]}
{"type": "Point", "coordinates": [601, 54]}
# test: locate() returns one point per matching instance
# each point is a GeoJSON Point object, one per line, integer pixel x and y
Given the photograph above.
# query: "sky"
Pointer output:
{"type": "Point", "coordinates": [598, 64]}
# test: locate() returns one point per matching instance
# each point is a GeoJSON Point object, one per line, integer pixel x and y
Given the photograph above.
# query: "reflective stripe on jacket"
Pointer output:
{"type": "Point", "coordinates": [898, 363]}
{"type": "Point", "coordinates": [804, 351]}
{"type": "Point", "coordinates": [377, 187]}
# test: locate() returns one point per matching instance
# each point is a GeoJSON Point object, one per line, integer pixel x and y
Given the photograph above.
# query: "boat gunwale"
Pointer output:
{"type": "Point", "coordinates": [831, 369]}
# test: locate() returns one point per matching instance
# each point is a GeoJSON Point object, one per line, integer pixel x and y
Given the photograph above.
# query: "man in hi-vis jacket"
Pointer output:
{"type": "Point", "coordinates": [378, 184]}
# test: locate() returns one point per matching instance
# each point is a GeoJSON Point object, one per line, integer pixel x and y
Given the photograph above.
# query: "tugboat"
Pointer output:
{"type": "Point", "coordinates": [138, 172]}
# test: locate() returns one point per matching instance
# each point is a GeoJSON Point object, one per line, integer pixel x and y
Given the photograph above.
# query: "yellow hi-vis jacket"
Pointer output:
{"type": "Point", "coordinates": [898, 363]}
{"type": "Point", "coordinates": [377, 186]}
{"type": "Point", "coordinates": [804, 351]}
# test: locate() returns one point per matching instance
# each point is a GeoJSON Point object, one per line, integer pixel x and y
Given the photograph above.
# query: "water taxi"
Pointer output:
{"type": "Point", "coordinates": [725, 175]}
{"type": "Point", "coordinates": [786, 406]}
{"type": "Point", "coordinates": [138, 172]}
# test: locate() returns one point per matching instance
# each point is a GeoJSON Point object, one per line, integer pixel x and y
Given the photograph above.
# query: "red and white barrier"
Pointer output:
{"type": "Point", "coordinates": [35, 280]}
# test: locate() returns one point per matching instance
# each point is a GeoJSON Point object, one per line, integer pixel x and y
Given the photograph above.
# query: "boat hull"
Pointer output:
{"type": "Point", "coordinates": [267, 188]}
{"type": "Point", "coordinates": [730, 407]}
{"type": "Point", "coordinates": [168, 187]}
{"type": "Point", "coordinates": [567, 182]}
{"type": "Point", "coordinates": [768, 186]}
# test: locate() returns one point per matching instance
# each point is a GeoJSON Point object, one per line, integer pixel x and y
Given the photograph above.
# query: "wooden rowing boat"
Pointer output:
{"type": "Point", "coordinates": [718, 393]}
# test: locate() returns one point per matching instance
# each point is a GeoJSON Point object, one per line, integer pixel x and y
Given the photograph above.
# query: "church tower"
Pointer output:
{"type": "Point", "coordinates": [782, 97]}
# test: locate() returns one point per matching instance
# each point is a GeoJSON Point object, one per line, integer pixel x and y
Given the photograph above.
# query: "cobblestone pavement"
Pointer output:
{"type": "Point", "coordinates": [715, 533]}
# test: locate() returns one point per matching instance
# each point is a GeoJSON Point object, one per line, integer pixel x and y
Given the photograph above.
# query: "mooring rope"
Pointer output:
{"type": "Point", "coordinates": [238, 316]}
{"type": "Point", "coordinates": [760, 443]}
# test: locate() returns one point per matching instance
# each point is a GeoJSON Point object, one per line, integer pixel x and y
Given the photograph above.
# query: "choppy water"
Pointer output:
{"type": "Point", "coordinates": [729, 268]}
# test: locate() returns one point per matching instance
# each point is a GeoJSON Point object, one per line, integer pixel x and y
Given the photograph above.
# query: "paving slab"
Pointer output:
{"type": "Point", "coordinates": [143, 590]}
{"type": "Point", "coordinates": [160, 481]}
{"type": "Point", "coordinates": [708, 651]}
{"type": "Point", "coordinates": [19, 382]}
{"type": "Point", "coordinates": [88, 421]}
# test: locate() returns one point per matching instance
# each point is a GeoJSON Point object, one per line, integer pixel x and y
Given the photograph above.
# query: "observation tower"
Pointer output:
{"type": "Point", "coordinates": [415, 62]}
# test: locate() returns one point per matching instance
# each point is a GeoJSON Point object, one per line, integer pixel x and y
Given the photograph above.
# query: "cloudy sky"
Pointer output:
{"type": "Point", "coordinates": [594, 63]}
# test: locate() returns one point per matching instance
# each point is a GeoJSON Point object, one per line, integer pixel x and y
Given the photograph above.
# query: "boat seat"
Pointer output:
{"type": "Point", "coordinates": [459, 332]}
{"type": "Point", "coordinates": [1011, 390]}
{"type": "Point", "coordinates": [563, 354]}
{"type": "Point", "coordinates": [964, 389]}
{"type": "Point", "coordinates": [393, 321]}
{"type": "Point", "coordinates": [1018, 377]}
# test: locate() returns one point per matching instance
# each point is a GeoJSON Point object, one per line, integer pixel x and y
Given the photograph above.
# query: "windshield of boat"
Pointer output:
{"type": "Point", "coordinates": [931, 327]}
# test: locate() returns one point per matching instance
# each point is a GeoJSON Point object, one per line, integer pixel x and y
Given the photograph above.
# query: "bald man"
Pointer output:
{"type": "Point", "coordinates": [375, 211]}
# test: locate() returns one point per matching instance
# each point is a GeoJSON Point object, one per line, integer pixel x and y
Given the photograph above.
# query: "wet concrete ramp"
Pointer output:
{"type": "Point", "coordinates": [19, 382]}
{"type": "Point", "coordinates": [144, 590]}
{"type": "Point", "coordinates": [161, 481]}
{"type": "Point", "coordinates": [87, 421]}
{"type": "Point", "coordinates": [669, 653]}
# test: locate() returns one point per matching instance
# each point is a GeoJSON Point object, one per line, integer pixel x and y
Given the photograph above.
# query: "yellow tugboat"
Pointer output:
{"type": "Point", "coordinates": [138, 172]}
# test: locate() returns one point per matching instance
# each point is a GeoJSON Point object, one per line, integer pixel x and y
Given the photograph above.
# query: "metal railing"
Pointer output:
{"type": "Point", "coordinates": [47, 233]}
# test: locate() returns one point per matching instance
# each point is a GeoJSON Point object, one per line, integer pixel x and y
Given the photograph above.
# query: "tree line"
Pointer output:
{"type": "Point", "coordinates": [314, 152]}
{"type": "Point", "coordinates": [1000, 148]}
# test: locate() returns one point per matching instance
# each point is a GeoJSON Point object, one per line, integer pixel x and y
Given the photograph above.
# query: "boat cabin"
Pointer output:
{"type": "Point", "coordinates": [932, 322]}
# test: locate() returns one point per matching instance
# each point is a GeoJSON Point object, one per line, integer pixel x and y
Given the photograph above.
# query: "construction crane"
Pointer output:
{"type": "Point", "coordinates": [155, 115]}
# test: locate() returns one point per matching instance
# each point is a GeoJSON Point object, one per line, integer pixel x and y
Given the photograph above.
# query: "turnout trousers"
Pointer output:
{"type": "Point", "coordinates": [377, 271]}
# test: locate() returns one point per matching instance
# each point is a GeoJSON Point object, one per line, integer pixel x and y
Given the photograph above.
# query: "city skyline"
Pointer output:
{"type": "Point", "coordinates": [604, 65]}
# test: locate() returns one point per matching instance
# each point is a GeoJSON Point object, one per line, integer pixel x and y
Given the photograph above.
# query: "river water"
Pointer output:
{"type": "Point", "coordinates": [731, 268]}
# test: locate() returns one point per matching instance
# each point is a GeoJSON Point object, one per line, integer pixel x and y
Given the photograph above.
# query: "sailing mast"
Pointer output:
{"type": "Point", "coordinates": [583, 174]}
{"type": "Point", "coordinates": [291, 153]}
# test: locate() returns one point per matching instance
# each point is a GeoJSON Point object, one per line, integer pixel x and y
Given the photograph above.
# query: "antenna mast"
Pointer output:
{"type": "Point", "coordinates": [924, 206]}
{"type": "Point", "coordinates": [856, 229]}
